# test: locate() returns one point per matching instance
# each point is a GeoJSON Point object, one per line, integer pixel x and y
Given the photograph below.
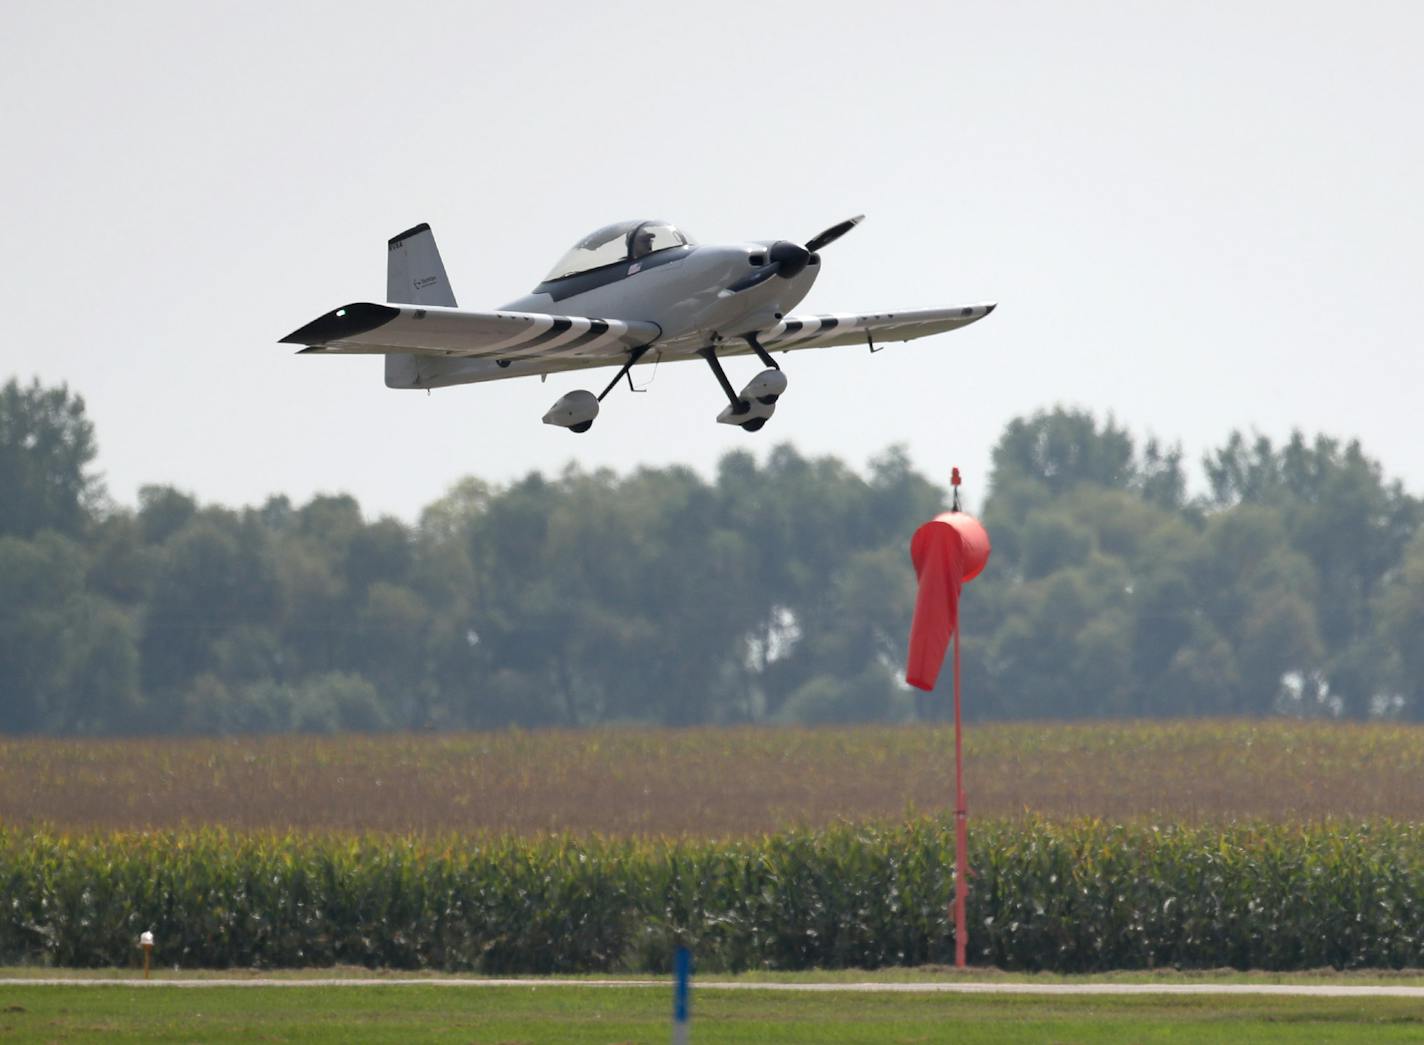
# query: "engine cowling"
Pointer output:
{"type": "Point", "coordinates": [573, 410]}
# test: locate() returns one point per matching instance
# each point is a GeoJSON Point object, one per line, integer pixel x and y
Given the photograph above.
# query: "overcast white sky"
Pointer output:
{"type": "Point", "coordinates": [1195, 216]}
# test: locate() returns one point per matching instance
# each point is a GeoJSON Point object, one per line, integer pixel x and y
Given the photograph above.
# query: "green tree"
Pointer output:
{"type": "Point", "coordinates": [98, 691]}
{"type": "Point", "coordinates": [213, 576]}
{"type": "Point", "coordinates": [46, 448]}
{"type": "Point", "coordinates": [163, 511]}
{"type": "Point", "coordinates": [1061, 448]}
{"type": "Point", "coordinates": [1339, 512]}
{"type": "Point", "coordinates": [1401, 625]}
{"type": "Point", "coordinates": [781, 590]}
{"type": "Point", "coordinates": [39, 579]}
{"type": "Point", "coordinates": [68, 658]}
{"type": "Point", "coordinates": [120, 565]}
{"type": "Point", "coordinates": [1160, 477]}
{"type": "Point", "coordinates": [337, 702]}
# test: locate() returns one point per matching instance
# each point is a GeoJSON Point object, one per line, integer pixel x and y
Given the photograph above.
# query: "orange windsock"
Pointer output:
{"type": "Point", "coordinates": [948, 551]}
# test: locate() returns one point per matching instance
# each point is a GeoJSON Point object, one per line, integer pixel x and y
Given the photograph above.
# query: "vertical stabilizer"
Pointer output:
{"type": "Point", "coordinates": [415, 275]}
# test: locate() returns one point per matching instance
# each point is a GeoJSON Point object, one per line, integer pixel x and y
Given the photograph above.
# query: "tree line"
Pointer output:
{"type": "Point", "coordinates": [777, 590]}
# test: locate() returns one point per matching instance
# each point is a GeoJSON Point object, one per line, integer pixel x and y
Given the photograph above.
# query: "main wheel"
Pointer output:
{"type": "Point", "coordinates": [582, 426]}
{"type": "Point", "coordinates": [754, 425]}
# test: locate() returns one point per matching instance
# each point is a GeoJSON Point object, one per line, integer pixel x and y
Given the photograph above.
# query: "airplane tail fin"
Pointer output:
{"type": "Point", "coordinates": [415, 275]}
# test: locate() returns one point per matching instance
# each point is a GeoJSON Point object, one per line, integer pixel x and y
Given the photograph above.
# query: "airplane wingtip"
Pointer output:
{"type": "Point", "coordinates": [348, 321]}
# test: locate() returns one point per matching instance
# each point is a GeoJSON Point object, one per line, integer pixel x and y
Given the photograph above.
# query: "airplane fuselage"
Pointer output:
{"type": "Point", "coordinates": [685, 294]}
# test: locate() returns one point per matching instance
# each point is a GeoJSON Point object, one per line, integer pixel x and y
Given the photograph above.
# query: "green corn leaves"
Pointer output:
{"type": "Point", "coordinates": [1066, 896]}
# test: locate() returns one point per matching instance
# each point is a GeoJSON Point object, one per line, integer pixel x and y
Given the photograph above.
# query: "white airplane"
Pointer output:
{"type": "Point", "coordinates": [631, 292]}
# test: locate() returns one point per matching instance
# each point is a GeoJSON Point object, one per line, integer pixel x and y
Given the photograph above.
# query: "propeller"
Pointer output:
{"type": "Point", "coordinates": [788, 260]}
{"type": "Point", "coordinates": [833, 233]}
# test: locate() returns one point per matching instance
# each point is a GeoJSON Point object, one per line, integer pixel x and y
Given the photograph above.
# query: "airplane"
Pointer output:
{"type": "Point", "coordinates": [627, 293]}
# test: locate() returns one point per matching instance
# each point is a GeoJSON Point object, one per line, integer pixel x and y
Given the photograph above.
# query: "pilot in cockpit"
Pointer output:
{"type": "Point", "coordinates": [642, 243]}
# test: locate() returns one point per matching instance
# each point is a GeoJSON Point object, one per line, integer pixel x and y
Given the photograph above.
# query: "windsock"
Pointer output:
{"type": "Point", "coordinates": [948, 551]}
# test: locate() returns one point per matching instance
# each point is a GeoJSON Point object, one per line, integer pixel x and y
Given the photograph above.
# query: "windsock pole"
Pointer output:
{"type": "Point", "coordinates": [961, 805]}
{"type": "Point", "coordinates": [961, 826]}
{"type": "Point", "coordinates": [948, 551]}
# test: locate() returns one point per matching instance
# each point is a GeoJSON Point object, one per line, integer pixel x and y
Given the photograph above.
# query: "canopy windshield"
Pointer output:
{"type": "Point", "coordinates": [625, 241]}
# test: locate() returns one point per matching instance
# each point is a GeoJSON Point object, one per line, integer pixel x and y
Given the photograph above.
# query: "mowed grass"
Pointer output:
{"type": "Point", "coordinates": [716, 782]}
{"type": "Point", "coordinates": [545, 1013]}
{"type": "Point", "coordinates": [896, 974]}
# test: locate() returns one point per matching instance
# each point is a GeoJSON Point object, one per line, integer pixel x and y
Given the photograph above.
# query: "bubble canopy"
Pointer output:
{"type": "Point", "coordinates": [621, 242]}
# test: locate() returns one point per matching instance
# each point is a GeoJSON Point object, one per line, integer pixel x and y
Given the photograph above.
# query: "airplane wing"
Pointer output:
{"type": "Point", "coordinates": [828, 331]}
{"type": "Point", "coordinates": [364, 328]}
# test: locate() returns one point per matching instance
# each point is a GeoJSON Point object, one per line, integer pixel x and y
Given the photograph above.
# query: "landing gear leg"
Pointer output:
{"type": "Point", "coordinates": [762, 353]}
{"type": "Point", "coordinates": [633, 357]}
{"type": "Point", "coordinates": [739, 406]}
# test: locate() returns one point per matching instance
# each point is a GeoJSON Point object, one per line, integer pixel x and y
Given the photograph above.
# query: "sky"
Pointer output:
{"type": "Point", "coordinates": [1194, 217]}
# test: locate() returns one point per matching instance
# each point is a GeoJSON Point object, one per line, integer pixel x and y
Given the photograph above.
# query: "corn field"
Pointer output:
{"type": "Point", "coordinates": [715, 783]}
{"type": "Point", "coordinates": [1068, 896]}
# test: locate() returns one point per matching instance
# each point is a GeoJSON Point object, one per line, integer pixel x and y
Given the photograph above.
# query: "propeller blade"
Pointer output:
{"type": "Point", "coordinates": [833, 233]}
